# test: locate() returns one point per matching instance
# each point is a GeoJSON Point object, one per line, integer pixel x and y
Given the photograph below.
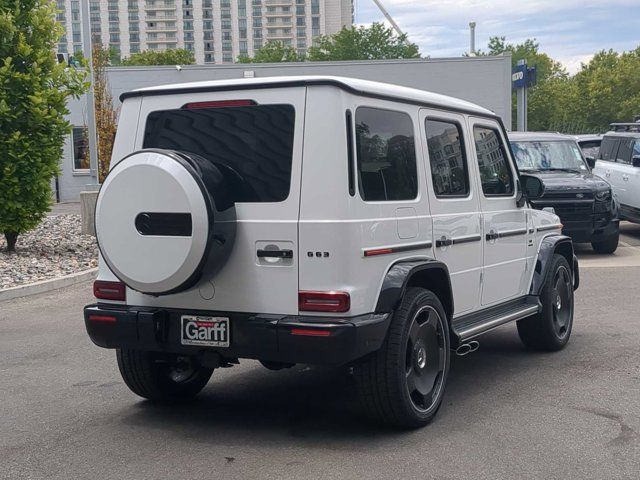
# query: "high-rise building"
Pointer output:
{"type": "Point", "coordinates": [217, 31]}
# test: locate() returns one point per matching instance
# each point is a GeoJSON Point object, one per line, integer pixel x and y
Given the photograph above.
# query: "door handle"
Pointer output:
{"type": "Point", "coordinates": [625, 178]}
{"type": "Point", "coordinates": [607, 173]}
{"type": "Point", "coordinates": [444, 242]}
{"type": "Point", "coordinates": [275, 253]}
{"type": "Point", "coordinates": [493, 235]}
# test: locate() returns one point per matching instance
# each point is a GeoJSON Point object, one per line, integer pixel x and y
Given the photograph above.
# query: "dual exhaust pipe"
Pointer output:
{"type": "Point", "coordinates": [467, 348]}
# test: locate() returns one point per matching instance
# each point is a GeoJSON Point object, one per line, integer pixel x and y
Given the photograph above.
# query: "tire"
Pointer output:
{"type": "Point", "coordinates": [550, 329]}
{"type": "Point", "coordinates": [161, 378]}
{"type": "Point", "coordinates": [608, 245]}
{"type": "Point", "coordinates": [413, 359]}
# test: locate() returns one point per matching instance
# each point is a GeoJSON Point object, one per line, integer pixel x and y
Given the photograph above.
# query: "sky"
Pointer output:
{"type": "Point", "coordinates": [569, 31]}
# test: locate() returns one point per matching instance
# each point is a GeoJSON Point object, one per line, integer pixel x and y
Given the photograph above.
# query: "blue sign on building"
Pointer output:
{"type": "Point", "coordinates": [523, 77]}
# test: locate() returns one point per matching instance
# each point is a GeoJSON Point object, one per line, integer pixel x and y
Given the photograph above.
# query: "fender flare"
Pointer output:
{"type": "Point", "coordinates": [405, 273]}
{"type": "Point", "coordinates": [550, 245]}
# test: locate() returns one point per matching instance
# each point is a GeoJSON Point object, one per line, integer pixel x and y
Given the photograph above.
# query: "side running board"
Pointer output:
{"type": "Point", "coordinates": [470, 326]}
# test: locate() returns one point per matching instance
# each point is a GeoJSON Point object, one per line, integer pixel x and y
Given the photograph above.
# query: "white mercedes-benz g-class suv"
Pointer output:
{"type": "Point", "coordinates": [319, 220]}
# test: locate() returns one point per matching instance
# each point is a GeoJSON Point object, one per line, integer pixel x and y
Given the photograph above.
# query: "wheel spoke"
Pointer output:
{"type": "Point", "coordinates": [411, 380]}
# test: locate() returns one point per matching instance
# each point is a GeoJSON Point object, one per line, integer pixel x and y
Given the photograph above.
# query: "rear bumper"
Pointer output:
{"type": "Point", "coordinates": [257, 336]}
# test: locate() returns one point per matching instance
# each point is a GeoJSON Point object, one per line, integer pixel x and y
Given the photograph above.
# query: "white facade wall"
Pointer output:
{"type": "Point", "coordinates": [217, 31]}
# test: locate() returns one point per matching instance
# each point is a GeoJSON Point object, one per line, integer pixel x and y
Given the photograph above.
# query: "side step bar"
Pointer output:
{"type": "Point", "coordinates": [477, 323]}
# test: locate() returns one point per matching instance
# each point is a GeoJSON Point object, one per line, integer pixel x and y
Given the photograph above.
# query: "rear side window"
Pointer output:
{"type": "Point", "coordinates": [609, 149]}
{"type": "Point", "coordinates": [447, 159]}
{"type": "Point", "coordinates": [495, 173]}
{"type": "Point", "coordinates": [252, 144]}
{"type": "Point", "coordinates": [625, 150]}
{"type": "Point", "coordinates": [386, 155]}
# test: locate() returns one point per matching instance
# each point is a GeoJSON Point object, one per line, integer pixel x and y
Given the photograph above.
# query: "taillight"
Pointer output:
{"type": "Point", "coordinates": [219, 104]}
{"type": "Point", "coordinates": [324, 301]}
{"type": "Point", "coordinates": [105, 290]}
{"type": "Point", "coordinates": [103, 318]}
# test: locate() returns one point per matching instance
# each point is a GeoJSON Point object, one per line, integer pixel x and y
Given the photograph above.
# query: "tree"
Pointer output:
{"type": "Point", "coordinates": [551, 75]}
{"type": "Point", "coordinates": [176, 56]}
{"type": "Point", "coordinates": [273, 52]}
{"type": "Point", "coordinates": [34, 89]}
{"type": "Point", "coordinates": [106, 114]}
{"type": "Point", "coordinates": [376, 42]}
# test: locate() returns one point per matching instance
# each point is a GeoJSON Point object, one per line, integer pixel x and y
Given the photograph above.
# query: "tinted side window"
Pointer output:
{"type": "Point", "coordinates": [495, 174]}
{"type": "Point", "coordinates": [386, 155]}
{"type": "Point", "coordinates": [253, 145]}
{"type": "Point", "coordinates": [447, 159]}
{"type": "Point", "coordinates": [624, 150]}
{"type": "Point", "coordinates": [636, 148]}
{"type": "Point", "coordinates": [608, 149]}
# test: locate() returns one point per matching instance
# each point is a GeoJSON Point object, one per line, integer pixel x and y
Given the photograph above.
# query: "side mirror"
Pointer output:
{"type": "Point", "coordinates": [532, 187]}
{"type": "Point", "coordinates": [635, 161]}
{"type": "Point", "coordinates": [591, 161]}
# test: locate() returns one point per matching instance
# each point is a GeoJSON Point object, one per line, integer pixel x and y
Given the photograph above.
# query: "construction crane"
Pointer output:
{"type": "Point", "coordinates": [388, 17]}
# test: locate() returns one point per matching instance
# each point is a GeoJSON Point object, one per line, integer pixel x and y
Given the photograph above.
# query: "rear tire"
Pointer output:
{"type": "Point", "coordinates": [608, 245]}
{"type": "Point", "coordinates": [160, 377]}
{"type": "Point", "coordinates": [403, 383]}
{"type": "Point", "coordinates": [550, 329]}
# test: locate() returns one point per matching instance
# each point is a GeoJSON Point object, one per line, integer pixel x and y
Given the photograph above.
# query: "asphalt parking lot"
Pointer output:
{"type": "Point", "coordinates": [508, 412]}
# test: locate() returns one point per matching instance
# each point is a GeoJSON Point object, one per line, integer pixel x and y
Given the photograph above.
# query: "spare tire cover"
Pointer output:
{"type": "Point", "coordinates": [153, 221]}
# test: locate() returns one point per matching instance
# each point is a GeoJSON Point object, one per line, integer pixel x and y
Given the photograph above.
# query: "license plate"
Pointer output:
{"type": "Point", "coordinates": [205, 331]}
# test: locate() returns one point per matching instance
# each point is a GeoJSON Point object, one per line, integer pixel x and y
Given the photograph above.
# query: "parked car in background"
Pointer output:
{"type": "Point", "coordinates": [590, 146]}
{"type": "Point", "coordinates": [582, 200]}
{"type": "Point", "coordinates": [619, 163]}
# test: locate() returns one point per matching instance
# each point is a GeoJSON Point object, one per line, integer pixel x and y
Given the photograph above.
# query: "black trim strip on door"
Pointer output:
{"type": "Point", "coordinates": [372, 252]}
{"type": "Point", "coordinates": [507, 233]}
{"type": "Point", "coordinates": [447, 242]}
{"type": "Point", "coordinates": [544, 228]}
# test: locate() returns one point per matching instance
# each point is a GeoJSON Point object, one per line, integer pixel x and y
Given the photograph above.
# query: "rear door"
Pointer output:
{"type": "Point", "coordinates": [455, 206]}
{"type": "Point", "coordinates": [258, 135]}
{"type": "Point", "coordinates": [505, 224]}
{"type": "Point", "coordinates": [622, 170]}
{"type": "Point", "coordinates": [606, 164]}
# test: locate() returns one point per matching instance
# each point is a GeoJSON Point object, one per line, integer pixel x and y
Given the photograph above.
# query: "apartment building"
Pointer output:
{"type": "Point", "coordinates": [216, 31]}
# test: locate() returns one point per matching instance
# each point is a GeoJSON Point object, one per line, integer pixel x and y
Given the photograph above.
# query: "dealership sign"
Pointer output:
{"type": "Point", "coordinates": [523, 77]}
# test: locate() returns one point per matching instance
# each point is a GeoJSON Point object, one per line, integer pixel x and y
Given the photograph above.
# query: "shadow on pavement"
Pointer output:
{"type": "Point", "coordinates": [313, 403]}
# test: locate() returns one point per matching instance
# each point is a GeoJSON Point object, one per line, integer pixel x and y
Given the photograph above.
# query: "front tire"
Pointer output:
{"type": "Point", "coordinates": [161, 377]}
{"type": "Point", "coordinates": [608, 245]}
{"type": "Point", "coordinates": [550, 329]}
{"type": "Point", "coordinates": [403, 383]}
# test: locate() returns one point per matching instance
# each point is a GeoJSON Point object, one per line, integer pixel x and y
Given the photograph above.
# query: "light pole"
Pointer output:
{"type": "Point", "coordinates": [472, 39]}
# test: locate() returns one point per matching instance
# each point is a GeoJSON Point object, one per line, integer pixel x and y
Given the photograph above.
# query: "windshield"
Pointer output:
{"type": "Point", "coordinates": [548, 155]}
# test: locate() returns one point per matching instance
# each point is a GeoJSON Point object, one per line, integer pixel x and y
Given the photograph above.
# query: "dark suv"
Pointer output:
{"type": "Point", "coordinates": [582, 200]}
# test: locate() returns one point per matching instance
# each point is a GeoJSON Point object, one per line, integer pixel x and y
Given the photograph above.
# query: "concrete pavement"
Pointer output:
{"type": "Point", "coordinates": [508, 412]}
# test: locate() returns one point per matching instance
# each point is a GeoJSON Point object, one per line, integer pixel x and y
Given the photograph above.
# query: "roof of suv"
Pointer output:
{"type": "Point", "coordinates": [352, 85]}
{"type": "Point", "coordinates": [538, 136]}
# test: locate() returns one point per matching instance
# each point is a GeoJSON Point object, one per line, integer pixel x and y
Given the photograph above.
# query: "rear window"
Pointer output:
{"type": "Point", "coordinates": [609, 149]}
{"type": "Point", "coordinates": [254, 142]}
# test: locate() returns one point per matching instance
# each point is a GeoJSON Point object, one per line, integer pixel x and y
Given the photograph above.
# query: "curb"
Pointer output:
{"type": "Point", "coordinates": [47, 285]}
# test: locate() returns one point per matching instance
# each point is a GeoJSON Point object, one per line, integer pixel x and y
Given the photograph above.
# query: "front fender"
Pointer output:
{"type": "Point", "coordinates": [550, 245]}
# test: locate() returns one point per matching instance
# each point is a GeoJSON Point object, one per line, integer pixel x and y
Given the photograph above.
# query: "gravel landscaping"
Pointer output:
{"type": "Point", "coordinates": [54, 249]}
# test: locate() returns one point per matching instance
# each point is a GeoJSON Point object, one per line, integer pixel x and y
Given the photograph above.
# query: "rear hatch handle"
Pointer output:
{"type": "Point", "coordinates": [275, 253]}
